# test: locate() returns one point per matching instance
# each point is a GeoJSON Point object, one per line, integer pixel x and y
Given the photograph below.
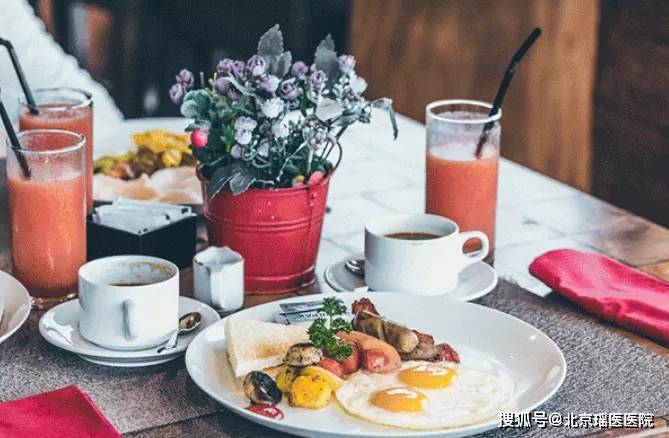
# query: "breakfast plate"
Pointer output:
{"type": "Point", "coordinates": [474, 281]}
{"type": "Point", "coordinates": [60, 327]}
{"type": "Point", "coordinates": [118, 140]}
{"type": "Point", "coordinates": [14, 305]}
{"type": "Point", "coordinates": [488, 341]}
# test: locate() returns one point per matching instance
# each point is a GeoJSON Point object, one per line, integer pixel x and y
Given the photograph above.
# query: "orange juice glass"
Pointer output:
{"type": "Point", "coordinates": [459, 184]}
{"type": "Point", "coordinates": [64, 108]}
{"type": "Point", "coordinates": [47, 212]}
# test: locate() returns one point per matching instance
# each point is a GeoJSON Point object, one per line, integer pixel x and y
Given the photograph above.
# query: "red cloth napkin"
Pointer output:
{"type": "Point", "coordinates": [63, 413]}
{"type": "Point", "coordinates": [608, 289]}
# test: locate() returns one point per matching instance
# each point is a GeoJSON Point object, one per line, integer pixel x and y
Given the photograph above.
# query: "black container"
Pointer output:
{"type": "Point", "coordinates": [174, 242]}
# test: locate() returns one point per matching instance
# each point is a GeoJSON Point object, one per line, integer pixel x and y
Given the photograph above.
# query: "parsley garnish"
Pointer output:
{"type": "Point", "coordinates": [323, 332]}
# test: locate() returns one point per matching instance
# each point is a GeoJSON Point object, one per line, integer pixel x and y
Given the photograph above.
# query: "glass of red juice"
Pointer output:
{"type": "Point", "coordinates": [47, 212]}
{"type": "Point", "coordinates": [63, 108]}
{"type": "Point", "coordinates": [461, 184]}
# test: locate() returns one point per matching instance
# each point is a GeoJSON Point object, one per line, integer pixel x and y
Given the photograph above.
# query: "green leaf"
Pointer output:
{"type": "Point", "coordinates": [196, 104]}
{"type": "Point", "coordinates": [271, 43]}
{"type": "Point", "coordinates": [325, 59]}
{"type": "Point", "coordinates": [280, 65]}
{"type": "Point", "coordinates": [220, 178]}
{"type": "Point", "coordinates": [387, 104]}
{"type": "Point", "coordinates": [241, 181]}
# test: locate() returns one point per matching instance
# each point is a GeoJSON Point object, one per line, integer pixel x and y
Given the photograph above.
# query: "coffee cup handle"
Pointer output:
{"type": "Point", "coordinates": [483, 252]}
{"type": "Point", "coordinates": [130, 320]}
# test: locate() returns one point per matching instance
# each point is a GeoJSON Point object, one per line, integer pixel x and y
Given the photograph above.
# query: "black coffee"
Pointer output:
{"type": "Point", "coordinates": [413, 236]}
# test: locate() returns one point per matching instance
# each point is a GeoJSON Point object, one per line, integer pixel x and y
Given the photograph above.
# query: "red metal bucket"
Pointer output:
{"type": "Point", "coordinates": [277, 231]}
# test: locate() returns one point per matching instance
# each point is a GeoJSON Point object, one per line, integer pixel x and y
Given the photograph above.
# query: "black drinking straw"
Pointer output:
{"type": "Point", "coordinates": [14, 140]}
{"type": "Point", "coordinates": [32, 106]}
{"type": "Point", "coordinates": [506, 80]}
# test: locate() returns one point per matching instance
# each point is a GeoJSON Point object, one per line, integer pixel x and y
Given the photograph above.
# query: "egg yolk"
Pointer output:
{"type": "Point", "coordinates": [428, 376]}
{"type": "Point", "coordinates": [398, 399]}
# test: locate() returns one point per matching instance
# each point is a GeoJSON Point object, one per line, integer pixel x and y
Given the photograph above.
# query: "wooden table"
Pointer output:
{"type": "Point", "coordinates": [535, 214]}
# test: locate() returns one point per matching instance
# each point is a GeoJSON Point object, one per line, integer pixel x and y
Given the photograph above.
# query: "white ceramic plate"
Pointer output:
{"type": "Point", "coordinates": [120, 140]}
{"type": "Point", "coordinates": [474, 281]}
{"type": "Point", "coordinates": [14, 305]}
{"type": "Point", "coordinates": [485, 338]}
{"type": "Point", "coordinates": [60, 327]}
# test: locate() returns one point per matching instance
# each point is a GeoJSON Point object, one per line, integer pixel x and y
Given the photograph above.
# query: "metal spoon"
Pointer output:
{"type": "Point", "coordinates": [187, 323]}
{"type": "Point", "coordinates": [356, 267]}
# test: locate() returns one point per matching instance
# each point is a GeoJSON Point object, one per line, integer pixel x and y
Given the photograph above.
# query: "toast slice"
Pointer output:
{"type": "Point", "coordinates": [257, 345]}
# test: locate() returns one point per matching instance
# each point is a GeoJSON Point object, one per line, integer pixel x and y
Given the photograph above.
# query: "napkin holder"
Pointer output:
{"type": "Point", "coordinates": [174, 242]}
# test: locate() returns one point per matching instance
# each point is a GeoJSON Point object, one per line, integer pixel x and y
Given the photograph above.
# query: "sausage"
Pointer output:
{"type": "Point", "coordinates": [403, 339]}
{"type": "Point", "coordinates": [333, 366]}
{"type": "Point", "coordinates": [376, 361]}
{"type": "Point", "coordinates": [352, 363]}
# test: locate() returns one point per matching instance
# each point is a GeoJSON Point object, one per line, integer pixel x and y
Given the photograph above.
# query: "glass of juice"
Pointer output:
{"type": "Point", "coordinates": [461, 184]}
{"type": "Point", "coordinates": [47, 213]}
{"type": "Point", "coordinates": [64, 108]}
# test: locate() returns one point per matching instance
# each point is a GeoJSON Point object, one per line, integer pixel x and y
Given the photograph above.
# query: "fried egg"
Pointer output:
{"type": "Point", "coordinates": [424, 395]}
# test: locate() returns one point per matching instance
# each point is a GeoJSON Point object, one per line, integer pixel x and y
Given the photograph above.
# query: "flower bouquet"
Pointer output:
{"type": "Point", "coordinates": [265, 133]}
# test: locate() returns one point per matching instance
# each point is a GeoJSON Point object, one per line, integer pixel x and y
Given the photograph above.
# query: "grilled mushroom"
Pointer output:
{"type": "Point", "coordinates": [260, 388]}
{"type": "Point", "coordinates": [302, 355]}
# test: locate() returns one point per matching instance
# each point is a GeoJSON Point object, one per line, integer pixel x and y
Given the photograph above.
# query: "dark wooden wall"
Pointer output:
{"type": "Point", "coordinates": [631, 124]}
{"type": "Point", "coordinates": [417, 51]}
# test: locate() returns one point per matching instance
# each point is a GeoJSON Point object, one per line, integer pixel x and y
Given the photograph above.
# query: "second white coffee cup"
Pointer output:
{"type": "Point", "coordinates": [419, 254]}
{"type": "Point", "coordinates": [128, 302]}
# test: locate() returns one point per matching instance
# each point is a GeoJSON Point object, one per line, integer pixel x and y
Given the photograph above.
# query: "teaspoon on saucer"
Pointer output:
{"type": "Point", "coordinates": [187, 324]}
{"type": "Point", "coordinates": [356, 267]}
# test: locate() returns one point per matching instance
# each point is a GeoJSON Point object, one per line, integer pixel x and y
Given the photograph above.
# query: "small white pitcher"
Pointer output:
{"type": "Point", "coordinates": [218, 278]}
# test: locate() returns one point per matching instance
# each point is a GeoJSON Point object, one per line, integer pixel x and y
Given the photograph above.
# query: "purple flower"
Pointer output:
{"type": "Point", "coordinates": [222, 85]}
{"type": "Point", "coordinates": [186, 79]}
{"type": "Point", "coordinates": [288, 90]}
{"type": "Point", "coordinates": [318, 80]}
{"type": "Point", "coordinates": [280, 129]}
{"type": "Point", "coordinates": [244, 123]}
{"type": "Point", "coordinates": [263, 149]}
{"type": "Point", "coordinates": [177, 93]}
{"type": "Point", "coordinates": [346, 63]}
{"type": "Point", "coordinates": [243, 137]}
{"type": "Point", "coordinates": [236, 151]}
{"type": "Point", "coordinates": [299, 69]}
{"type": "Point", "coordinates": [256, 66]}
{"type": "Point", "coordinates": [224, 66]}
{"type": "Point", "coordinates": [239, 70]}
{"type": "Point", "coordinates": [269, 83]}
{"type": "Point", "coordinates": [233, 93]}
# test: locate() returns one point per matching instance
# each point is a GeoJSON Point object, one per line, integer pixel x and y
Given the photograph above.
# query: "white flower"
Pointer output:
{"type": "Point", "coordinates": [358, 84]}
{"type": "Point", "coordinates": [280, 129]}
{"type": "Point", "coordinates": [263, 149]}
{"type": "Point", "coordinates": [245, 124]}
{"type": "Point", "coordinates": [271, 108]}
{"type": "Point", "coordinates": [243, 136]}
{"type": "Point", "coordinates": [236, 151]}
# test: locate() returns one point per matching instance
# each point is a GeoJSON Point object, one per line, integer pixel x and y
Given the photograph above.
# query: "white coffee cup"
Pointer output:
{"type": "Point", "coordinates": [218, 278]}
{"type": "Point", "coordinates": [423, 267]}
{"type": "Point", "coordinates": [128, 302]}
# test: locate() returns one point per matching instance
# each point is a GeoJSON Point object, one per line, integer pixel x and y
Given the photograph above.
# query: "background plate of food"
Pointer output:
{"type": "Point", "coordinates": [376, 365]}
{"type": "Point", "coordinates": [147, 159]}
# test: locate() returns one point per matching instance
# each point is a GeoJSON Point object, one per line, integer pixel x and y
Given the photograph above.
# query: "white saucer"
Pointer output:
{"type": "Point", "coordinates": [14, 305]}
{"type": "Point", "coordinates": [60, 327]}
{"type": "Point", "coordinates": [474, 281]}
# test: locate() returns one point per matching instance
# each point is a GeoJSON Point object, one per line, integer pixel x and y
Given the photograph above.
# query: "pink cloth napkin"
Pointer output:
{"type": "Point", "coordinates": [609, 289]}
{"type": "Point", "coordinates": [63, 413]}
